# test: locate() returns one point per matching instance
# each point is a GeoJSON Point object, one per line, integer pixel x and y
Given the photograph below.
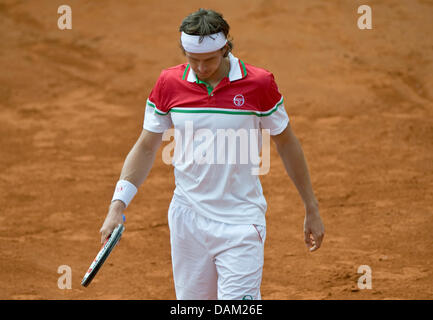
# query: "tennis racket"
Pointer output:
{"type": "Point", "coordinates": [102, 255]}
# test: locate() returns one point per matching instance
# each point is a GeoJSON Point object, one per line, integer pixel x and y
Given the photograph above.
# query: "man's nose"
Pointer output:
{"type": "Point", "coordinates": [201, 67]}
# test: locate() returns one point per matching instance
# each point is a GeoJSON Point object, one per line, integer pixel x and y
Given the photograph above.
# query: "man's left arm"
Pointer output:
{"type": "Point", "coordinates": [290, 151]}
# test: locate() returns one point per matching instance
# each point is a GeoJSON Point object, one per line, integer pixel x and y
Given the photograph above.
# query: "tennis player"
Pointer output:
{"type": "Point", "coordinates": [217, 213]}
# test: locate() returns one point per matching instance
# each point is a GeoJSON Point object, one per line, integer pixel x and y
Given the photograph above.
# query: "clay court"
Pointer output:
{"type": "Point", "coordinates": [360, 101]}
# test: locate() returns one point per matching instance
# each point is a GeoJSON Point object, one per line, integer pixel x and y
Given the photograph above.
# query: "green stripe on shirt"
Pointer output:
{"type": "Point", "coordinates": [221, 111]}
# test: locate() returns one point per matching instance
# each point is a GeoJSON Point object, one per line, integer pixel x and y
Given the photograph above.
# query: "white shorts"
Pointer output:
{"type": "Point", "coordinates": [214, 260]}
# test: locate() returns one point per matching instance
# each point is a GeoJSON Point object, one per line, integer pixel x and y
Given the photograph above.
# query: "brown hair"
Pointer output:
{"type": "Point", "coordinates": [205, 22]}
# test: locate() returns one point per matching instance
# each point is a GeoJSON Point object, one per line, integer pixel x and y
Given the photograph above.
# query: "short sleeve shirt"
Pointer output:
{"type": "Point", "coordinates": [218, 137]}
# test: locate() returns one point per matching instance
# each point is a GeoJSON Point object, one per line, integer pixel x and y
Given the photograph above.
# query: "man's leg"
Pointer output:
{"type": "Point", "coordinates": [240, 264]}
{"type": "Point", "coordinates": [194, 270]}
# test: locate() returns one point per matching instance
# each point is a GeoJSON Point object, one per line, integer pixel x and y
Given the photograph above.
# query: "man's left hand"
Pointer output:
{"type": "Point", "coordinates": [314, 230]}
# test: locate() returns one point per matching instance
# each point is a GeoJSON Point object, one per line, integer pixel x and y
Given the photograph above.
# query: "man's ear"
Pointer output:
{"type": "Point", "coordinates": [227, 50]}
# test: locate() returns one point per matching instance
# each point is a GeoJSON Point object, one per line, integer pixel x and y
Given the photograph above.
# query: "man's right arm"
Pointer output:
{"type": "Point", "coordinates": [135, 169]}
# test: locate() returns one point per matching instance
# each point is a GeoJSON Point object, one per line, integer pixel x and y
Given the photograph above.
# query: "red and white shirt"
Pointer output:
{"type": "Point", "coordinates": [211, 174]}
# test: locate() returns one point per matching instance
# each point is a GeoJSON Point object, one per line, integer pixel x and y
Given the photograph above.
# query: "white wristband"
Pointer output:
{"type": "Point", "coordinates": [124, 191]}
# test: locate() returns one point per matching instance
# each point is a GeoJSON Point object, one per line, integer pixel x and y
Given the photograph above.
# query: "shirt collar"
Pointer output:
{"type": "Point", "coordinates": [237, 70]}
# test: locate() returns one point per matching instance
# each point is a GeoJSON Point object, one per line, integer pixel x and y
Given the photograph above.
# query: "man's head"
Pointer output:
{"type": "Point", "coordinates": [206, 22]}
{"type": "Point", "coordinates": [204, 41]}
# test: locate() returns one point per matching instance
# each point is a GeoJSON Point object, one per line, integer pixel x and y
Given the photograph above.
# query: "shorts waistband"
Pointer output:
{"type": "Point", "coordinates": [181, 201]}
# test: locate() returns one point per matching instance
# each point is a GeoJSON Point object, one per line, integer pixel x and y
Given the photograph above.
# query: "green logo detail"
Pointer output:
{"type": "Point", "coordinates": [247, 297]}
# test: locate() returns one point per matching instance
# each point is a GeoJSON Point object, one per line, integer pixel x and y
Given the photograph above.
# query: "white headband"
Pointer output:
{"type": "Point", "coordinates": [210, 43]}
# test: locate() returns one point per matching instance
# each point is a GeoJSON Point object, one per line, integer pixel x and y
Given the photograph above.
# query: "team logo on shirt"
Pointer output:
{"type": "Point", "coordinates": [239, 100]}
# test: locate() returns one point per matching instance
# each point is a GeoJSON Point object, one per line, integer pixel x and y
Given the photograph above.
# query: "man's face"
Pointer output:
{"type": "Point", "coordinates": [205, 65]}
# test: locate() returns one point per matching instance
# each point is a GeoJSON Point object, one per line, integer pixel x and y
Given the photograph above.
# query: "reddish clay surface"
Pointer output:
{"type": "Point", "coordinates": [360, 101]}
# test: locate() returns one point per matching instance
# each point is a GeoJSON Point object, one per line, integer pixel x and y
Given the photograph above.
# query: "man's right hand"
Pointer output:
{"type": "Point", "coordinates": [135, 169]}
{"type": "Point", "coordinates": [114, 217]}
